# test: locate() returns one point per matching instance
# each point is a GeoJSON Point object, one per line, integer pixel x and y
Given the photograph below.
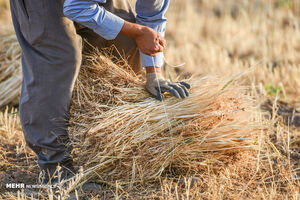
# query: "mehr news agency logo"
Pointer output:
{"type": "Point", "coordinates": [27, 186]}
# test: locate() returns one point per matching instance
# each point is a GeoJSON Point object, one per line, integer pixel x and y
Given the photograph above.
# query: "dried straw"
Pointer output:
{"type": "Point", "coordinates": [10, 69]}
{"type": "Point", "coordinates": [121, 133]}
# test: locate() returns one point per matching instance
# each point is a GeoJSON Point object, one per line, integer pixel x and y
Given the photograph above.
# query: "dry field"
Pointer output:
{"type": "Point", "coordinates": [255, 41]}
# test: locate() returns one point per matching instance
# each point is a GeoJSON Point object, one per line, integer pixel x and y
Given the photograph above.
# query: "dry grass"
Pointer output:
{"type": "Point", "coordinates": [127, 139]}
{"type": "Point", "coordinates": [10, 68]}
{"type": "Point", "coordinates": [213, 38]}
{"type": "Point", "coordinates": [125, 135]}
{"type": "Point", "coordinates": [4, 13]}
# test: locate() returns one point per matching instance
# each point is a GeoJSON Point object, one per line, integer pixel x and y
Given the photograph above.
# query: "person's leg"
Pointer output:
{"type": "Point", "coordinates": [51, 58]}
{"type": "Point", "coordinates": [125, 46]}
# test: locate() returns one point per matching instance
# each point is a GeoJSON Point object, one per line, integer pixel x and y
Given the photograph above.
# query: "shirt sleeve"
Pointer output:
{"type": "Point", "coordinates": [92, 15]}
{"type": "Point", "coordinates": [151, 13]}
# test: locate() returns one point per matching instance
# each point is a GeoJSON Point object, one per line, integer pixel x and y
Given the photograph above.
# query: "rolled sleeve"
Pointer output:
{"type": "Point", "coordinates": [156, 61]}
{"type": "Point", "coordinates": [90, 14]}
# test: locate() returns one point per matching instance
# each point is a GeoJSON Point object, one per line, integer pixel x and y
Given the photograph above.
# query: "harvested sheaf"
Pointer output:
{"type": "Point", "coordinates": [119, 132]}
{"type": "Point", "coordinates": [10, 69]}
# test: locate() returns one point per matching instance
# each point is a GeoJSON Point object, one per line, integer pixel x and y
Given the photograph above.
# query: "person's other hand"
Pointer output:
{"type": "Point", "coordinates": [149, 41]}
{"type": "Point", "coordinates": [156, 81]}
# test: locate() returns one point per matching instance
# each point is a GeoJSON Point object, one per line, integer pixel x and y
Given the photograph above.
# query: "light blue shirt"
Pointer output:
{"type": "Point", "coordinates": [89, 13]}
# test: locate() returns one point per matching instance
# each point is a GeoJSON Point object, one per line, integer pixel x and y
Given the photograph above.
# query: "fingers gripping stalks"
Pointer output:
{"type": "Point", "coordinates": [156, 80]}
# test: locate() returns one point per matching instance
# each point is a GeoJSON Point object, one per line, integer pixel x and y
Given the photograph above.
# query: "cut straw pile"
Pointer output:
{"type": "Point", "coordinates": [121, 133]}
{"type": "Point", "coordinates": [10, 69]}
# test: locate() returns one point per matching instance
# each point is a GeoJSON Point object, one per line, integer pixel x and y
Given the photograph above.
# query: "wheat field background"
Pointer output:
{"type": "Point", "coordinates": [259, 39]}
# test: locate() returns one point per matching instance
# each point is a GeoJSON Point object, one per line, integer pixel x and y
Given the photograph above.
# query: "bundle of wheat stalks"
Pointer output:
{"type": "Point", "coordinates": [121, 133]}
{"type": "Point", "coordinates": [10, 69]}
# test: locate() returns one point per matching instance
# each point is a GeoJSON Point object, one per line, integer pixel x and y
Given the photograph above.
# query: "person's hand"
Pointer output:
{"type": "Point", "coordinates": [157, 85]}
{"type": "Point", "coordinates": [150, 42]}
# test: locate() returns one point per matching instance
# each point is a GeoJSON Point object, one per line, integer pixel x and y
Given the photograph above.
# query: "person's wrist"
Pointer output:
{"type": "Point", "coordinates": [151, 69]}
{"type": "Point", "coordinates": [132, 30]}
{"type": "Point", "coordinates": [138, 31]}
